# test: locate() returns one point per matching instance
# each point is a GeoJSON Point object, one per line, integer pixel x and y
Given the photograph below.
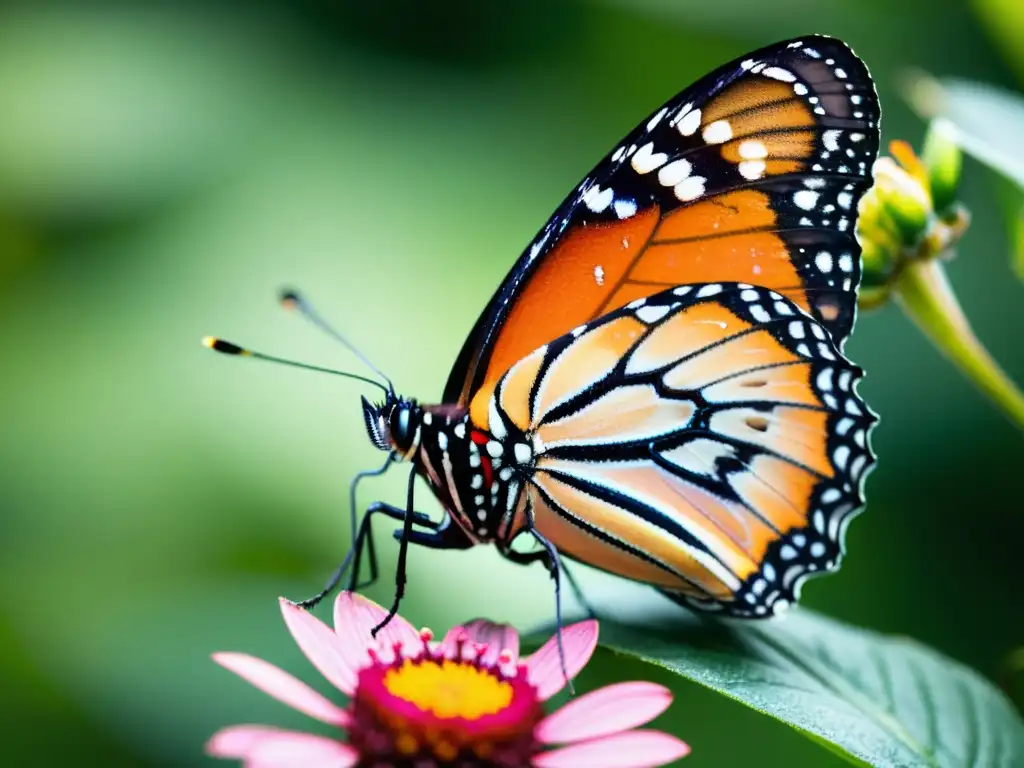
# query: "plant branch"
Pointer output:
{"type": "Point", "coordinates": [926, 296]}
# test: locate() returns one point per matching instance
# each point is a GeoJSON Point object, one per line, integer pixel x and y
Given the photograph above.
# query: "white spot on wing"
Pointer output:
{"type": "Point", "coordinates": [690, 188]}
{"type": "Point", "coordinates": [652, 313]}
{"type": "Point", "coordinates": [656, 119]}
{"type": "Point", "coordinates": [824, 380]}
{"type": "Point", "coordinates": [689, 123]}
{"type": "Point", "coordinates": [646, 159]}
{"type": "Point", "coordinates": [597, 199]}
{"type": "Point", "coordinates": [778, 73]}
{"type": "Point", "coordinates": [805, 199]}
{"type": "Point", "coordinates": [674, 172]}
{"type": "Point", "coordinates": [759, 313]}
{"type": "Point", "coordinates": [624, 208]}
{"type": "Point", "coordinates": [752, 169]}
{"type": "Point", "coordinates": [841, 456]}
{"type": "Point", "coordinates": [830, 495]}
{"type": "Point", "coordinates": [717, 132]}
{"type": "Point", "coordinates": [752, 149]}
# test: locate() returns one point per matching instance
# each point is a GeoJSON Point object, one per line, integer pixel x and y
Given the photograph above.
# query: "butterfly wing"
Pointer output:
{"type": "Point", "coordinates": [752, 174]}
{"type": "Point", "coordinates": [707, 440]}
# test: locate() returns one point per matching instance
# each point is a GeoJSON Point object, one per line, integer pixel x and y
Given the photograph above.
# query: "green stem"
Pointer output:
{"type": "Point", "coordinates": [926, 296]}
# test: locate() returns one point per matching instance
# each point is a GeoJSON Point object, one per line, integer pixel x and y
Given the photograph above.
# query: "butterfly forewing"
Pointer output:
{"type": "Point", "coordinates": [707, 440]}
{"type": "Point", "coordinates": [753, 174]}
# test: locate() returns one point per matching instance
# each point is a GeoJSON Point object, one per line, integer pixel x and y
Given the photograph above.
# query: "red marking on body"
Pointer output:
{"type": "Point", "coordinates": [482, 438]}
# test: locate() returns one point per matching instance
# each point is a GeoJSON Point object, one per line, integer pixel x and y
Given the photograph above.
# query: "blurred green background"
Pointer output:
{"type": "Point", "coordinates": [165, 168]}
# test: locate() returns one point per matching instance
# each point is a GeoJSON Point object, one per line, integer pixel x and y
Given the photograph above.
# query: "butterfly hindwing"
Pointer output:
{"type": "Point", "coordinates": [707, 439]}
{"type": "Point", "coordinates": [753, 174]}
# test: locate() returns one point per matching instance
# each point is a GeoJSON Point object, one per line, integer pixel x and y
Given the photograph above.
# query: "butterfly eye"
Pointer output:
{"type": "Point", "coordinates": [400, 426]}
{"type": "Point", "coordinates": [376, 429]}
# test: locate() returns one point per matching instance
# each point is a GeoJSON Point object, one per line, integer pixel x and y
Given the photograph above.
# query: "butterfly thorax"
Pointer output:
{"type": "Point", "coordinates": [467, 469]}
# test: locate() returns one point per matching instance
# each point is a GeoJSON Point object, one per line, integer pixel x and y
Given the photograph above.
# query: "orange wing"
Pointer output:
{"type": "Point", "coordinates": [707, 440]}
{"type": "Point", "coordinates": [753, 175]}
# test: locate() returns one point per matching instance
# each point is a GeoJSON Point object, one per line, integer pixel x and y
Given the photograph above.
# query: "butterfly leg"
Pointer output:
{"type": "Point", "coordinates": [364, 539]}
{"type": "Point", "coordinates": [390, 511]}
{"type": "Point", "coordinates": [339, 572]}
{"type": "Point", "coordinates": [554, 568]}
{"type": "Point", "coordinates": [403, 552]}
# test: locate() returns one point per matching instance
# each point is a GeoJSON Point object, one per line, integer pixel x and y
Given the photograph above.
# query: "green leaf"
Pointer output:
{"type": "Point", "coordinates": [871, 698]}
{"type": "Point", "coordinates": [1004, 20]}
{"type": "Point", "coordinates": [985, 121]}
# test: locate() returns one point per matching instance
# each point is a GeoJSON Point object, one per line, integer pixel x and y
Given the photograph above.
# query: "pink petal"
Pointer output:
{"type": "Point", "coordinates": [605, 711]}
{"type": "Point", "coordinates": [497, 638]}
{"type": "Point", "coordinates": [283, 687]}
{"type": "Point", "coordinates": [291, 749]}
{"type": "Point", "coordinates": [355, 617]}
{"type": "Point", "coordinates": [632, 749]}
{"type": "Point", "coordinates": [321, 647]}
{"type": "Point", "coordinates": [544, 668]}
{"type": "Point", "coordinates": [237, 741]}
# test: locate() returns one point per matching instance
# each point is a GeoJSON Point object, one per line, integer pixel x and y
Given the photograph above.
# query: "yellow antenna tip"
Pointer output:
{"type": "Point", "coordinates": [219, 345]}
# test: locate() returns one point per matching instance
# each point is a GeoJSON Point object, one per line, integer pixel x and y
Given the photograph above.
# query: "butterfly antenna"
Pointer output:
{"type": "Point", "coordinates": [227, 348]}
{"type": "Point", "coordinates": [292, 300]}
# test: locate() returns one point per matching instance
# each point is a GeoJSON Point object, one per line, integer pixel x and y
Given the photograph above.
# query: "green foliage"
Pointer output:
{"type": "Point", "coordinates": [871, 698]}
{"type": "Point", "coordinates": [986, 122]}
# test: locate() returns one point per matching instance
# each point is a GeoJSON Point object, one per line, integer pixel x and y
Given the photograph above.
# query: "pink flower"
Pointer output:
{"type": "Point", "coordinates": [469, 700]}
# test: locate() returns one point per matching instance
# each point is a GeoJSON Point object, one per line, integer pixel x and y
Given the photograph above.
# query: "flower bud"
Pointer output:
{"type": "Point", "coordinates": [903, 199]}
{"type": "Point", "coordinates": [943, 159]}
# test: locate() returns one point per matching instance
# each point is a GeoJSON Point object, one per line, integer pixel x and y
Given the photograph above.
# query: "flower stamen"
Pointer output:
{"type": "Point", "coordinates": [449, 689]}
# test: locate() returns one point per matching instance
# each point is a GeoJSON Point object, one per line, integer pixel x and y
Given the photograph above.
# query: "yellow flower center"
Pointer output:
{"type": "Point", "coordinates": [449, 688]}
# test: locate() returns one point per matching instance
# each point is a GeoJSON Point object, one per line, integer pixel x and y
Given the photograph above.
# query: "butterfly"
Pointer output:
{"type": "Point", "coordinates": [657, 388]}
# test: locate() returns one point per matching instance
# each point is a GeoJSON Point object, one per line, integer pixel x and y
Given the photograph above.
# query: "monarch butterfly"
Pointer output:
{"type": "Point", "coordinates": [658, 387]}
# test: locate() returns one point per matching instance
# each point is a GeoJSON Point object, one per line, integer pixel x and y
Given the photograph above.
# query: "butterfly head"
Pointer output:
{"type": "Point", "coordinates": [393, 425]}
